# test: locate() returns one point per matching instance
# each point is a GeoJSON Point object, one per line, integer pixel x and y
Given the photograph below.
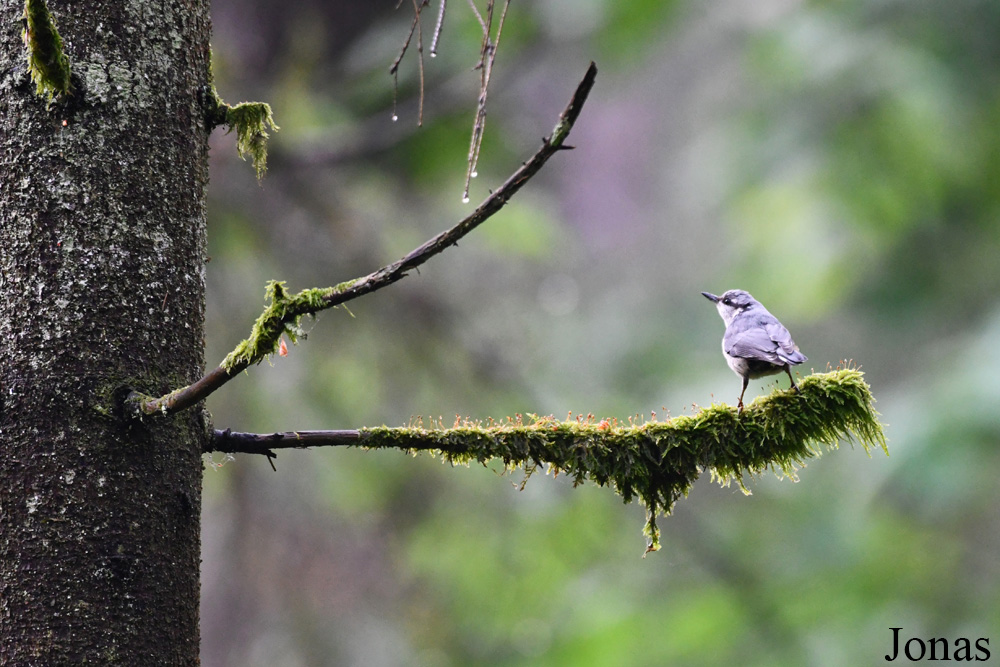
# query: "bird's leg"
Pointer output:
{"type": "Point", "coordinates": [739, 406]}
{"type": "Point", "coordinates": [788, 369]}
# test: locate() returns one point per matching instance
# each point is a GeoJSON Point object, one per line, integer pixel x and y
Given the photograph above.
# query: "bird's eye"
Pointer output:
{"type": "Point", "coordinates": [726, 301]}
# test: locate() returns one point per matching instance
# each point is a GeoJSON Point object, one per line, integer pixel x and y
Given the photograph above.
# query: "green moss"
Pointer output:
{"type": "Point", "coordinates": [282, 315]}
{"type": "Point", "coordinates": [47, 63]}
{"type": "Point", "coordinates": [251, 120]}
{"type": "Point", "coordinates": [657, 462]}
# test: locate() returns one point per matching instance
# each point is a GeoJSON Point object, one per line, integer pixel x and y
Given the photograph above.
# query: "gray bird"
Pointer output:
{"type": "Point", "coordinates": [756, 343]}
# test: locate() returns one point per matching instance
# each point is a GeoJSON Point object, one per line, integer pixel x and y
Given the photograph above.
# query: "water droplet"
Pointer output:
{"type": "Point", "coordinates": [465, 199]}
{"type": "Point", "coordinates": [434, 54]}
{"type": "Point", "coordinates": [474, 174]}
{"type": "Point", "coordinates": [394, 118]}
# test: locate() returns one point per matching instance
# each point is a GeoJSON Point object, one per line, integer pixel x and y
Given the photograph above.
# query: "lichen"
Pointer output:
{"type": "Point", "coordinates": [282, 314]}
{"type": "Point", "coordinates": [656, 462]}
{"type": "Point", "coordinates": [47, 63]}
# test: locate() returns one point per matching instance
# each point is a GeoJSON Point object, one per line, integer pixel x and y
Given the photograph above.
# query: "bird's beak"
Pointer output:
{"type": "Point", "coordinates": [711, 297]}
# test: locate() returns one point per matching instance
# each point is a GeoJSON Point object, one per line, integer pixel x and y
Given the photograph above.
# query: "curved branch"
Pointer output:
{"type": "Point", "coordinates": [656, 462]}
{"type": "Point", "coordinates": [284, 311]}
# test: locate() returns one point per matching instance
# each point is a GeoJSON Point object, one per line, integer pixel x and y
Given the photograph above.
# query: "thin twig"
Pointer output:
{"type": "Point", "coordinates": [394, 68]}
{"type": "Point", "coordinates": [487, 56]}
{"type": "Point", "coordinates": [437, 28]}
{"type": "Point", "coordinates": [406, 44]}
{"type": "Point", "coordinates": [479, 124]}
{"type": "Point", "coordinates": [190, 395]}
{"type": "Point", "coordinates": [420, 57]}
{"type": "Point", "coordinates": [496, 42]}
{"type": "Point", "coordinates": [479, 16]}
{"type": "Point", "coordinates": [417, 26]}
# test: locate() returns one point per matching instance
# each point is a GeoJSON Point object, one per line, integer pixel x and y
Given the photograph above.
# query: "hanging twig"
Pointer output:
{"type": "Point", "coordinates": [487, 55]}
{"type": "Point", "coordinates": [406, 44]}
{"type": "Point", "coordinates": [394, 68]}
{"type": "Point", "coordinates": [479, 16]}
{"type": "Point", "coordinates": [415, 26]}
{"type": "Point", "coordinates": [437, 28]}
{"type": "Point", "coordinates": [285, 310]}
{"type": "Point", "coordinates": [420, 57]}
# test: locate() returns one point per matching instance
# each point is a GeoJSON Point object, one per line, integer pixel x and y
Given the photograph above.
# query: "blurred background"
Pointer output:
{"type": "Point", "coordinates": [839, 160]}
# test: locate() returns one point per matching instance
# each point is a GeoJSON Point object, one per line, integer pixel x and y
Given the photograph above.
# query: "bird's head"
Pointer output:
{"type": "Point", "coordinates": [731, 303]}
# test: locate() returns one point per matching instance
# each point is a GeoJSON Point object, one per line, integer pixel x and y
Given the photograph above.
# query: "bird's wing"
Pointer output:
{"type": "Point", "coordinates": [787, 350]}
{"type": "Point", "coordinates": [770, 342]}
{"type": "Point", "coordinates": [753, 343]}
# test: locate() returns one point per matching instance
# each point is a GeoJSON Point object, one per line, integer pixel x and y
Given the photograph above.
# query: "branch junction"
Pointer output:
{"type": "Point", "coordinates": [284, 311]}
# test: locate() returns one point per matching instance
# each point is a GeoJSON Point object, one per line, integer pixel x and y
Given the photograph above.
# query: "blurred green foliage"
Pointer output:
{"type": "Point", "coordinates": [839, 160]}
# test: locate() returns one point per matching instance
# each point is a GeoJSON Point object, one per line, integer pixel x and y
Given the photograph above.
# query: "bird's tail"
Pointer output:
{"type": "Point", "coordinates": [793, 359]}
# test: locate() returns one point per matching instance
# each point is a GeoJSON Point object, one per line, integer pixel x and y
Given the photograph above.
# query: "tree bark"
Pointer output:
{"type": "Point", "coordinates": [102, 221]}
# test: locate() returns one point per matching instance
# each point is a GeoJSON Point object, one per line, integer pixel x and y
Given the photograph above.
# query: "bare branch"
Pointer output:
{"type": "Point", "coordinates": [263, 443]}
{"type": "Point", "coordinates": [282, 315]}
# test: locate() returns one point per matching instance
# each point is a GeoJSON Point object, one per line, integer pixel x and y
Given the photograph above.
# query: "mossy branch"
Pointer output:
{"type": "Point", "coordinates": [251, 121]}
{"type": "Point", "coordinates": [654, 462]}
{"type": "Point", "coordinates": [281, 316]}
{"type": "Point", "coordinates": [284, 311]}
{"type": "Point", "coordinates": [47, 63]}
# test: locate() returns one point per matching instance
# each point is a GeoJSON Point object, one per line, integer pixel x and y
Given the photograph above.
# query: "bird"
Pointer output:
{"type": "Point", "coordinates": [755, 344]}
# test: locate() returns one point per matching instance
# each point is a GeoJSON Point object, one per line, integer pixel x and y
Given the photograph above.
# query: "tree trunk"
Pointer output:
{"type": "Point", "coordinates": [102, 253]}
